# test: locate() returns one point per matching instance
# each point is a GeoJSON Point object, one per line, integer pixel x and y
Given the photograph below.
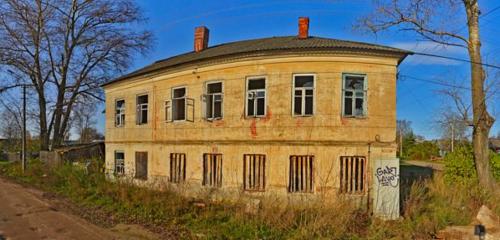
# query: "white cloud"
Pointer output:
{"type": "Point", "coordinates": [431, 48]}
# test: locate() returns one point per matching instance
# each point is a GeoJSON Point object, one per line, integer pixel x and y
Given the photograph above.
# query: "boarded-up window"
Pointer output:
{"type": "Point", "coordinates": [352, 174]}
{"type": "Point", "coordinates": [212, 170]}
{"type": "Point", "coordinates": [301, 174]}
{"type": "Point", "coordinates": [141, 165]}
{"type": "Point", "coordinates": [254, 172]}
{"type": "Point", "coordinates": [177, 167]}
{"type": "Point", "coordinates": [119, 163]}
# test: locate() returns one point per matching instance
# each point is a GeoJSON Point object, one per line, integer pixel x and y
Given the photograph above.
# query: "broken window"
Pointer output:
{"type": "Point", "coordinates": [120, 113]}
{"type": "Point", "coordinates": [212, 170]}
{"type": "Point", "coordinates": [177, 167]}
{"type": "Point", "coordinates": [254, 172]}
{"type": "Point", "coordinates": [303, 95]}
{"type": "Point", "coordinates": [354, 95]}
{"type": "Point", "coordinates": [213, 101]}
{"type": "Point", "coordinates": [142, 109]}
{"type": "Point", "coordinates": [119, 163]}
{"type": "Point", "coordinates": [352, 174]}
{"type": "Point", "coordinates": [301, 174]}
{"type": "Point", "coordinates": [256, 97]}
{"type": "Point", "coordinates": [141, 165]}
{"type": "Point", "coordinates": [180, 108]}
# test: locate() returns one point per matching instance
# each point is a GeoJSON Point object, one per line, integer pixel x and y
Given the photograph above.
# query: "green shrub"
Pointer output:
{"type": "Point", "coordinates": [423, 151]}
{"type": "Point", "coordinates": [460, 166]}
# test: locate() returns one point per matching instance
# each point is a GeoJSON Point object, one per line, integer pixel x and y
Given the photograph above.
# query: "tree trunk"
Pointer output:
{"type": "Point", "coordinates": [482, 120]}
{"type": "Point", "coordinates": [44, 134]}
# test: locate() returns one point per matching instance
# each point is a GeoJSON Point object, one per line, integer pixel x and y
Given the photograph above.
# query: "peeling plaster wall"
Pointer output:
{"type": "Point", "coordinates": [326, 135]}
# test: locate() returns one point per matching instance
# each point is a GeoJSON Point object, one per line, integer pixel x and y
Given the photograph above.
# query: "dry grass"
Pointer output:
{"type": "Point", "coordinates": [430, 206]}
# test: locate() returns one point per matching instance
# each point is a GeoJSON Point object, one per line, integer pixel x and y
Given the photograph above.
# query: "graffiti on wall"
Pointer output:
{"type": "Point", "coordinates": [387, 176]}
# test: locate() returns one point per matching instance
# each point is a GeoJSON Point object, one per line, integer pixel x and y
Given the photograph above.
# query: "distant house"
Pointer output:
{"type": "Point", "coordinates": [495, 145]}
{"type": "Point", "coordinates": [287, 115]}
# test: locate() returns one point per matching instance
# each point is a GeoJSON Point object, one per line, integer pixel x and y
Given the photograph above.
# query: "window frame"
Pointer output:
{"type": "Point", "coordinates": [122, 113]}
{"type": "Point", "coordinates": [344, 176]}
{"type": "Point", "coordinates": [309, 158]}
{"type": "Point", "coordinates": [304, 96]}
{"type": "Point", "coordinates": [172, 98]}
{"type": "Point", "coordinates": [116, 165]}
{"type": "Point", "coordinates": [205, 102]}
{"type": "Point", "coordinates": [219, 171]}
{"type": "Point", "coordinates": [248, 79]}
{"type": "Point", "coordinates": [260, 178]}
{"type": "Point", "coordinates": [365, 96]}
{"type": "Point", "coordinates": [139, 116]}
{"type": "Point", "coordinates": [177, 165]}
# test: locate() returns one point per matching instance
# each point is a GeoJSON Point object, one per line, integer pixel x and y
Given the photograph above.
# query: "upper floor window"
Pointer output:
{"type": "Point", "coordinates": [303, 95]}
{"type": "Point", "coordinates": [180, 108]}
{"type": "Point", "coordinates": [179, 103]}
{"type": "Point", "coordinates": [142, 109]}
{"type": "Point", "coordinates": [256, 97]}
{"type": "Point", "coordinates": [213, 101]}
{"type": "Point", "coordinates": [120, 113]}
{"type": "Point", "coordinates": [354, 95]}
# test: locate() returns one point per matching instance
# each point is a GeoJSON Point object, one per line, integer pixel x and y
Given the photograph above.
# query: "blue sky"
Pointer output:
{"type": "Point", "coordinates": [418, 100]}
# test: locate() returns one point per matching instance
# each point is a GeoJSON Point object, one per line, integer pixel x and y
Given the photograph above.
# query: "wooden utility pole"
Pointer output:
{"type": "Point", "coordinates": [452, 135]}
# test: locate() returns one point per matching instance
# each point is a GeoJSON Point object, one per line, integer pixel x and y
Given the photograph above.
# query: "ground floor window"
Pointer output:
{"type": "Point", "coordinates": [254, 172]}
{"type": "Point", "coordinates": [177, 167]}
{"type": "Point", "coordinates": [141, 165]}
{"type": "Point", "coordinates": [212, 170]}
{"type": "Point", "coordinates": [301, 174]}
{"type": "Point", "coordinates": [352, 174]}
{"type": "Point", "coordinates": [119, 163]}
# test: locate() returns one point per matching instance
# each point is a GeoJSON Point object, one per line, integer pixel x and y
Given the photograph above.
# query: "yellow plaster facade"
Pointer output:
{"type": "Point", "coordinates": [326, 135]}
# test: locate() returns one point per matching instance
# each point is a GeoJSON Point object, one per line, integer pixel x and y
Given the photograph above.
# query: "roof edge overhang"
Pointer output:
{"type": "Point", "coordinates": [400, 55]}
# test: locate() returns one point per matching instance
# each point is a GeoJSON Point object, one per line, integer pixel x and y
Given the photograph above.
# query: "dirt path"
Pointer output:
{"type": "Point", "coordinates": [24, 214]}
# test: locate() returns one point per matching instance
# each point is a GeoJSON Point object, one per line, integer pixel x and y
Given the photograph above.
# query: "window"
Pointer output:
{"type": "Point", "coordinates": [301, 174]}
{"type": "Point", "coordinates": [254, 172]}
{"type": "Point", "coordinates": [354, 95]}
{"type": "Point", "coordinates": [212, 170]}
{"type": "Point", "coordinates": [142, 109]}
{"type": "Point", "coordinates": [256, 97]}
{"type": "Point", "coordinates": [120, 113]}
{"type": "Point", "coordinates": [179, 104]}
{"type": "Point", "coordinates": [180, 108]}
{"type": "Point", "coordinates": [303, 95]}
{"type": "Point", "coordinates": [213, 101]}
{"type": "Point", "coordinates": [141, 165]}
{"type": "Point", "coordinates": [119, 163]}
{"type": "Point", "coordinates": [177, 167]}
{"type": "Point", "coordinates": [352, 174]}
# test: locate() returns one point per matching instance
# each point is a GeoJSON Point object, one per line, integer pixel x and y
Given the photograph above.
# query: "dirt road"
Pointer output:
{"type": "Point", "coordinates": [24, 214]}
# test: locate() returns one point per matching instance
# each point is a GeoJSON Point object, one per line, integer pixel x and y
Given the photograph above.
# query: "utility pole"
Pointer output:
{"type": "Point", "coordinates": [23, 156]}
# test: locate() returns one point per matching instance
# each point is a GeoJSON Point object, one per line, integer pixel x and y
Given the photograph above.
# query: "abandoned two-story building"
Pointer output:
{"type": "Point", "coordinates": [283, 115]}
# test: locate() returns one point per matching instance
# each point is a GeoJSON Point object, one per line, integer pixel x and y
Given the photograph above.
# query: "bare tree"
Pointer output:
{"type": "Point", "coordinates": [437, 21]}
{"type": "Point", "coordinates": [65, 49]}
{"type": "Point", "coordinates": [84, 119]}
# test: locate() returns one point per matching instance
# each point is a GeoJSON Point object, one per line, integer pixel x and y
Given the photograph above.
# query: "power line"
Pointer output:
{"type": "Point", "coordinates": [455, 59]}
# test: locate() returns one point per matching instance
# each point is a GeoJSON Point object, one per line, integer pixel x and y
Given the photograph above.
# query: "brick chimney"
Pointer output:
{"type": "Point", "coordinates": [303, 27]}
{"type": "Point", "coordinates": [200, 38]}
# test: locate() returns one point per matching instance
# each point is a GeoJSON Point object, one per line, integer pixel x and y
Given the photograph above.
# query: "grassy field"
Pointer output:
{"type": "Point", "coordinates": [430, 205]}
